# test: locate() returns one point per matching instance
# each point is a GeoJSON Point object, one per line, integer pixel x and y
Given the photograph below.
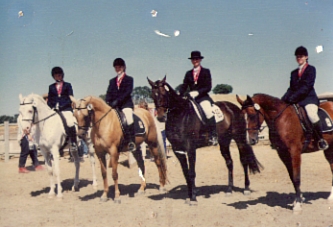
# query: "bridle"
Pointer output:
{"type": "Point", "coordinates": [258, 128]}
{"type": "Point", "coordinates": [164, 96]}
{"type": "Point", "coordinates": [33, 122]}
{"type": "Point", "coordinates": [88, 124]}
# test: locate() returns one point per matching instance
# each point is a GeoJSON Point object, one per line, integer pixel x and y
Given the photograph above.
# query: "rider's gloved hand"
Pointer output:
{"type": "Point", "coordinates": [114, 103]}
{"type": "Point", "coordinates": [194, 94]}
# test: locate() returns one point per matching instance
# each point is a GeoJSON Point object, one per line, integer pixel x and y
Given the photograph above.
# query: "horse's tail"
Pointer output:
{"type": "Point", "coordinates": [161, 152]}
{"type": "Point", "coordinates": [250, 159]}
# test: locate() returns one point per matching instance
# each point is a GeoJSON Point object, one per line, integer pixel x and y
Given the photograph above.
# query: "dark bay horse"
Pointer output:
{"type": "Point", "coordinates": [286, 135]}
{"type": "Point", "coordinates": [183, 132]}
{"type": "Point", "coordinates": [107, 135]}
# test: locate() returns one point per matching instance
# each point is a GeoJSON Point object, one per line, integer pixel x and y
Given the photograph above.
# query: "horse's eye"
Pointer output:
{"type": "Point", "coordinates": [30, 111]}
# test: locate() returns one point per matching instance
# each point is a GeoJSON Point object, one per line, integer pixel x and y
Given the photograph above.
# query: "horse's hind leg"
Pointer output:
{"type": "Point", "coordinates": [224, 142]}
{"type": "Point", "coordinates": [139, 159]}
{"type": "Point", "coordinates": [192, 175]}
{"type": "Point", "coordinates": [329, 156]}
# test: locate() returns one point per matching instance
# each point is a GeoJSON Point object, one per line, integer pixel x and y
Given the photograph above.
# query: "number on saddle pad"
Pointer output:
{"type": "Point", "coordinates": [219, 116]}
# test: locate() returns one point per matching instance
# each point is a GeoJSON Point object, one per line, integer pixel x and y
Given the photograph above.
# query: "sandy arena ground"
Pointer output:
{"type": "Point", "coordinates": [24, 200]}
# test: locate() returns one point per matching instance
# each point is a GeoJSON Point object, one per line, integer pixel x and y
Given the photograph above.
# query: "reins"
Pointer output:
{"type": "Point", "coordinates": [33, 116]}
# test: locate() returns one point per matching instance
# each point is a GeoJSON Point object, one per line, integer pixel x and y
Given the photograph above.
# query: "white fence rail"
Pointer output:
{"type": "Point", "coordinates": [8, 141]}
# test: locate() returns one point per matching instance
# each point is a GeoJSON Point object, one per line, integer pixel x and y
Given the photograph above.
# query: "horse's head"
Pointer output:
{"type": "Point", "coordinates": [160, 96]}
{"type": "Point", "coordinates": [254, 118]}
{"type": "Point", "coordinates": [27, 111]}
{"type": "Point", "coordinates": [82, 111]}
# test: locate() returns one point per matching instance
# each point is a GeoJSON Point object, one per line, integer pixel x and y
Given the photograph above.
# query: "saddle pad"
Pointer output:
{"type": "Point", "coordinates": [219, 116]}
{"type": "Point", "coordinates": [139, 127]}
{"type": "Point", "coordinates": [325, 120]}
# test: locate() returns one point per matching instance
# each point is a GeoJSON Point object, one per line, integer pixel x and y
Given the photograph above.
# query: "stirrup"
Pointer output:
{"type": "Point", "coordinates": [131, 146]}
{"type": "Point", "coordinates": [322, 144]}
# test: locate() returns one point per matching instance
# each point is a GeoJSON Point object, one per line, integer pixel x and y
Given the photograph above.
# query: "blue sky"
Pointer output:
{"type": "Point", "coordinates": [84, 37]}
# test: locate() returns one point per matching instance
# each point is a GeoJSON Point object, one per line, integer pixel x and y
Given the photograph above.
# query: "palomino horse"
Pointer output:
{"type": "Point", "coordinates": [183, 131]}
{"type": "Point", "coordinates": [50, 136]}
{"type": "Point", "coordinates": [107, 136]}
{"type": "Point", "coordinates": [285, 133]}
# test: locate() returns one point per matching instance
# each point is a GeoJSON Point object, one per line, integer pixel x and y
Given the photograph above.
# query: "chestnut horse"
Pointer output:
{"type": "Point", "coordinates": [183, 131]}
{"type": "Point", "coordinates": [285, 133]}
{"type": "Point", "coordinates": [107, 136]}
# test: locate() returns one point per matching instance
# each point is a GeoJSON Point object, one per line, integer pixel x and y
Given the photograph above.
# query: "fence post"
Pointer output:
{"type": "Point", "coordinates": [6, 128]}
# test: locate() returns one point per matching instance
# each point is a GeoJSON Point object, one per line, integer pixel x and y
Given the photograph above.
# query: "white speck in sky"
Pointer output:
{"type": "Point", "coordinates": [319, 49]}
{"type": "Point", "coordinates": [250, 34]}
{"type": "Point", "coordinates": [153, 13]}
{"type": "Point", "coordinates": [161, 34]}
{"type": "Point", "coordinates": [70, 33]}
{"type": "Point", "coordinates": [20, 14]}
{"type": "Point", "coordinates": [176, 33]}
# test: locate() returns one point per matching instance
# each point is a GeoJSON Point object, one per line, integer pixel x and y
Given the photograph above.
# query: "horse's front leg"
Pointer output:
{"type": "Point", "coordinates": [225, 152]}
{"type": "Point", "coordinates": [161, 166]}
{"type": "Point", "coordinates": [181, 156]}
{"type": "Point", "coordinates": [55, 163]}
{"type": "Point", "coordinates": [102, 160]}
{"type": "Point", "coordinates": [114, 155]}
{"type": "Point", "coordinates": [292, 161]}
{"type": "Point", "coordinates": [91, 152]}
{"type": "Point", "coordinates": [48, 163]}
{"type": "Point", "coordinates": [329, 156]}
{"type": "Point", "coordinates": [192, 175]}
{"type": "Point", "coordinates": [139, 159]}
{"type": "Point", "coordinates": [75, 155]}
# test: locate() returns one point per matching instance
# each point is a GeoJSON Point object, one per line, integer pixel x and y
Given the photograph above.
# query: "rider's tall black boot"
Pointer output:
{"type": "Point", "coordinates": [322, 143]}
{"type": "Point", "coordinates": [131, 137]}
{"type": "Point", "coordinates": [213, 134]}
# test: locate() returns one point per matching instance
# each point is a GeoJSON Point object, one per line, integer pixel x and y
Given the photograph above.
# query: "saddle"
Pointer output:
{"type": "Point", "coordinates": [218, 114]}
{"type": "Point", "coordinates": [325, 120]}
{"type": "Point", "coordinates": [139, 127]}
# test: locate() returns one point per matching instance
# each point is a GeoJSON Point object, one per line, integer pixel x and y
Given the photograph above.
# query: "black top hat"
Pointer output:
{"type": "Point", "coordinates": [301, 51]}
{"type": "Point", "coordinates": [196, 54]}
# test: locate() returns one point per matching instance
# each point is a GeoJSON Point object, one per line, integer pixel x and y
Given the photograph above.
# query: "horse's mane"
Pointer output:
{"type": "Point", "coordinates": [177, 100]}
{"type": "Point", "coordinates": [37, 97]}
{"type": "Point", "coordinates": [267, 100]}
{"type": "Point", "coordinates": [97, 102]}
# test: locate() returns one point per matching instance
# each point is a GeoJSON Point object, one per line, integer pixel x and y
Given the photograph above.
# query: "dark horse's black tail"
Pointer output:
{"type": "Point", "coordinates": [249, 158]}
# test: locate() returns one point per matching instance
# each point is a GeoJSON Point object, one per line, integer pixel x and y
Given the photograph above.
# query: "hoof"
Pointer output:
{"type": "Point", "coordinates": [228, 194]}
{"type": "Point", "coordinates": [193, 203]}
{"type": "Point", "coordinates": [117, 201]}
{"type": "Point", "coordinates": [187, 201]}
{"type": "Point", "coordinates": [75, 189]}
{"type": "Point", "coordinates": [247, 192]}
{"type": "Point", "coordinates": [140, 192]}
{"type": "Point", "coordinates": [297, 208]}
{"type": "Point", "coordinates": [103, 199]}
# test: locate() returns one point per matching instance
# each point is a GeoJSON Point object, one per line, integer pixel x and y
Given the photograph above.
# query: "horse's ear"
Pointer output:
{"type": "Point", "coordinates": [164, 79]}
{"type": "Point", "coordinates": [150, 82]}
{"type": "Point", "coordinates": [239, 100]}
{"type": "Point", "coordinates": [72, 98]}
{"type": "Point", "coordinates": [90, 106]}
{"type": "Point", "coordinates": [21, 98]}
{"type": "Point", "coordinates": [248, 97]}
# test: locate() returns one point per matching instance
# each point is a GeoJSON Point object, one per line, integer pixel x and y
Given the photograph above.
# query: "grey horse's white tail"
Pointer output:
{"type": "Point", "coordinates": [161, 152]}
